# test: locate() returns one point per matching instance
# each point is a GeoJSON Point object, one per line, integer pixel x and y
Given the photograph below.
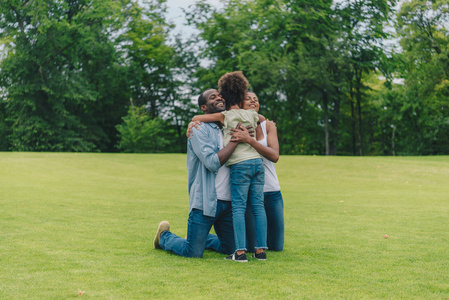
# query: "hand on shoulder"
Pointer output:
{"type": "Point", "coordinates": [193, 124]}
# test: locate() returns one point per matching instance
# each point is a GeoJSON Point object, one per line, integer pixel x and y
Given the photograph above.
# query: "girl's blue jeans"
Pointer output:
{"type": "Point", "coordinates": [247, 180]}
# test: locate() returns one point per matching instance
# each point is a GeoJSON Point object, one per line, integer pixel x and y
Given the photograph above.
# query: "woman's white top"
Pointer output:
{"type": "Point", "coordinates": [271, 178]}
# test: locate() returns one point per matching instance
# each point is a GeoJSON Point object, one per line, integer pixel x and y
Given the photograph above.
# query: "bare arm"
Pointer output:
{"type": "Point", "coordinates": [206, 151]}
{"type": "Point", "coordinates": [225, 153]}
{"type": "Point", "coordinates": [208, 118]}
{"type": "Point", "coordinates": [271, 152]}
{"type": "Point", "coordinates": [273, 142]}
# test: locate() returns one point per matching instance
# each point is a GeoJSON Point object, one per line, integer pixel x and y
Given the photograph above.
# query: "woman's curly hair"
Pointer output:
{"type": "Point", "coordinates": [233, 86]}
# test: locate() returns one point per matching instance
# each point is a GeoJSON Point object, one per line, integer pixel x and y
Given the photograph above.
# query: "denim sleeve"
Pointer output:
{"type": "Point", "coordinates": [205, 147]}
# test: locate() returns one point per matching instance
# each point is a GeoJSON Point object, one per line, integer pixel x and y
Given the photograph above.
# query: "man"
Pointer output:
{"type": "Point", "coordinates": [209, 189]}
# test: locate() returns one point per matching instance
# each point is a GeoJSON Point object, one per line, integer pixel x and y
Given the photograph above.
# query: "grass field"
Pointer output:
{"type": "Point", "coordinates": [86, 221]}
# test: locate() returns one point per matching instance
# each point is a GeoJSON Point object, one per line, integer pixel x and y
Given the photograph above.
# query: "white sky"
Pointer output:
{"type": "Point", "coordinates": [175, 14]}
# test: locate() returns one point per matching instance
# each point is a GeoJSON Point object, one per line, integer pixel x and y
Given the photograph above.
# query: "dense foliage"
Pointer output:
{"type": "Point", "coordinates": [71, 67]}
{"type": "Point", "coordinates": [139, 133]}
{"type": "Point", "coordinates": [338, 77]}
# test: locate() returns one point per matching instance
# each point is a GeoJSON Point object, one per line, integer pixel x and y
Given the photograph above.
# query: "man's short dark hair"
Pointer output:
{"type": "Point", "coordinates": [202, 99]}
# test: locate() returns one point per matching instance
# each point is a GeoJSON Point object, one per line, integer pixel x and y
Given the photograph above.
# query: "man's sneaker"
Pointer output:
{"type": "Point", "coordinates": [163, 226]}
{"type": "Point", "coordinates": [236, 257]}
{"type": "Point", "coordinates": [260, 256]}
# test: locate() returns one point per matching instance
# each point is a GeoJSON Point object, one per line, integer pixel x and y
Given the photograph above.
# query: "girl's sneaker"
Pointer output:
{"type": "Point", "coordinates": [260, 256]}
{"type": "Point", "coordinates": [236, 257]}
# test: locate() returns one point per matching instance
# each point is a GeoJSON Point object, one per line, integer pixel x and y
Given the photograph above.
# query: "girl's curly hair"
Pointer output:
{"type": "Point", "coordinates": [233, 86]}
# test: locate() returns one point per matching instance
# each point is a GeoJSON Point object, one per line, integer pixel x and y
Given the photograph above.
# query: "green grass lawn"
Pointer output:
{"type": "Point", "coordinates": [87, 221]}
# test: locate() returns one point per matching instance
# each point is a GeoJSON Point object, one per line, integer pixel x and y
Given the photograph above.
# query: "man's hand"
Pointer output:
{"type": "Point", "coordinates": [242, 134]}
{"type": "Point", "coordinates": [250, 129]}
{"type": "Point", "coordinates": [192, 124]}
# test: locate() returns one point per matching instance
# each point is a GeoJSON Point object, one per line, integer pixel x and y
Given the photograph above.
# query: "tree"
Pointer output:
{"type": "Point", "coordinates": [424, 31]}
{"type": "Point", "coordinates": [4, 130]}
{"type": "Point", "coordinates": [271, 42]}
{"type": "Point", "coordinates": [388, 105]}
{"type": "Point", "coordinates": [157, 71]}
{"type": "Point", "coordinates": [60, 74]}
{"type": "Point", "coordinates": [140, 133]}
{"type": "Point", "coordinates": [362, 30]}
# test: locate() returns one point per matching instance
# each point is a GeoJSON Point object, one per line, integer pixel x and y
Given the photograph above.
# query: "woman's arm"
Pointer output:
{"type": "Point", "coordinates": [271, 152]}
{"type": "Point", "coordinates": [272, 141]}
{"type": "Point", "coordinates": [208, 118]}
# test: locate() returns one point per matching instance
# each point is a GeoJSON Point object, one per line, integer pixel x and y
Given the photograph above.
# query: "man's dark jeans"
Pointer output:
{"type": "Point", "coordinates": [198, 235]}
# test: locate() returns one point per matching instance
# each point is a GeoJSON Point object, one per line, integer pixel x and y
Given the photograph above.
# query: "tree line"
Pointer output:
{"type": "Point", "coordinates": [347, 77]}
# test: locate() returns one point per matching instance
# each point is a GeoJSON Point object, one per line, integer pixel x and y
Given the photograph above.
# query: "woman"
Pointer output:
{"type": "Point", "coordinates": [268, 146]}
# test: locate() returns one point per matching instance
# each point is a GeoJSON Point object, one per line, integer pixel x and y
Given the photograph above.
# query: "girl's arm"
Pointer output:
{"type": "Point", "coordinates": [208, 118]}
{"type": "Point", "coordinates": [192, 124]}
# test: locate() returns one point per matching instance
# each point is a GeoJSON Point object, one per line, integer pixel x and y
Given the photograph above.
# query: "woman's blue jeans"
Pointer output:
{"type": "Point", "coordinates": [247, 180]}
{"type": "Point", "coordinates": [274, 208]}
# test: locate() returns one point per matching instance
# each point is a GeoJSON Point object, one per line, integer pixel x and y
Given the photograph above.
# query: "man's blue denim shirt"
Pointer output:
{"type": "Point", "coordinates": [202, 167]}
